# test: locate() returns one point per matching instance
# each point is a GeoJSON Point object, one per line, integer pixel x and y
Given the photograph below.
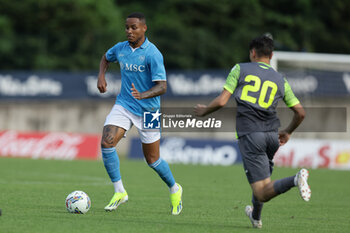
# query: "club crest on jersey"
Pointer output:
{"type": "Point", "coordinates": [132, 67]}
{"type": "Point", "coordinates": [142, 58]}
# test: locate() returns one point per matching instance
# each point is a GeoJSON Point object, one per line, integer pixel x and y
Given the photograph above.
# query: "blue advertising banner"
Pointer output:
{"type": "Point", "coordinates": [181, 84]}
{"type": "Point", "coordinates": [195, 83]}
{"type": "Point", "coordinates": [55, 85]}
{"type": "Point", "coordinates": [192, 151]}
{"type": "Point", "coordinates": [319, 83]}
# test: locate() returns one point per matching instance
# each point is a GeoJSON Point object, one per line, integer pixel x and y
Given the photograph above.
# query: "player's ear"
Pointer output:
{"type": "Point", "coordinates": [270, 57]}
{"type": "Point", "coordinates": [255, 54]}
{"type": "Point", "coordinates": [252, 55]}
{"type": "Point", "coordinates": [144, 27]}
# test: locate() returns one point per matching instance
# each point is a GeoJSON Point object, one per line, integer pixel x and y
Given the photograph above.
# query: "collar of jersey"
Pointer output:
{"type": "Point", "coordinates": [264, 64]}
{"type": "Point", "coordinates": [144, 44]}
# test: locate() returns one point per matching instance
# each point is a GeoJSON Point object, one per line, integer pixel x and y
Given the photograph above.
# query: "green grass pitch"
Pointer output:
{"type": "Point", "coordinates": [33, 192]}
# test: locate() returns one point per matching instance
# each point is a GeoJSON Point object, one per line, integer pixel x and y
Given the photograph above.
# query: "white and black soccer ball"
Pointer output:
{"type": "Point", "coordinates": [78, 202]}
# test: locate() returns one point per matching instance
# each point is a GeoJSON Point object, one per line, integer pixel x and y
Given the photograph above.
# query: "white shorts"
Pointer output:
{"type": "Point", "coordinates": [123, 118]}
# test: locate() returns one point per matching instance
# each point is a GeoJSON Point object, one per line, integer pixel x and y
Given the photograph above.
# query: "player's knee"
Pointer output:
{"type": "Point", "coordinates": [107, 143]}
{"type": "Point", "coordinates": [261, 196]}
{"type": "Point", "coordinates": [265, 199]}
{"type": "Point", "coordinates": [258, 196]}
{"type": "Point", "coordinates": [151, 158]}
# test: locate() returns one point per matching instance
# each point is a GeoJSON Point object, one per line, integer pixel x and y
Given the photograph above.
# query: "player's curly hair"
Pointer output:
{"type": "Point", "coordinates": [263, 45]}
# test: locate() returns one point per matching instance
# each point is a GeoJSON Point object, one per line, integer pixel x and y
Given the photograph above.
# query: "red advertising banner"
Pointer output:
{"type": "Point", "coordinates": [332, 154]}
{"type": "Point", "coordinates": [50, 145]}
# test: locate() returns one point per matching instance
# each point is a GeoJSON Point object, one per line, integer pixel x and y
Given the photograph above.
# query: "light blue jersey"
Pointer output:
{"type": "Point", "coordinates": [142, 67]}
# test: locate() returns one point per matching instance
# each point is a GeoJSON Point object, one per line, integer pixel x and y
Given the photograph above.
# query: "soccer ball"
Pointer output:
{"type": "Point", "coordinates": [78, 202]}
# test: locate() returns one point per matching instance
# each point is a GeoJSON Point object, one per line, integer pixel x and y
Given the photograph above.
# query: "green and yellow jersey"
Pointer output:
{"type": "Point", "coordinates": [257, 88]}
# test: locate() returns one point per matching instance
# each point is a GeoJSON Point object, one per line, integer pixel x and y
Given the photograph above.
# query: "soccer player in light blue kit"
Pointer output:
{"type": "Point", "coordinates": [143, 81]}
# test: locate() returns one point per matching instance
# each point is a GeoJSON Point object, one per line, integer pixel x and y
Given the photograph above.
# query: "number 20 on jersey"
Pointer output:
{"type": "Point", "coordinates": [262, 89]}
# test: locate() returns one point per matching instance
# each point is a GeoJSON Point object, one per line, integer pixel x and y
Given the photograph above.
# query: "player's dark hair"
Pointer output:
{"type": "Point", "coordinates": [263, 46]}
{"type": "Point", "coordinates": [138, 15]}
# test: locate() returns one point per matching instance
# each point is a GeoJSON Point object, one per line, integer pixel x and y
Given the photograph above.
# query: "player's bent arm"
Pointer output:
{"type": "Point", "coordinates": [217, 103]}
{"type": "Point", "coordinates": [299, 115]}
{"type": "Point", "coordinates": [158, 89]}
{"type": "Point", "coordinates": [101, 82]}
{"type": "Point", "coordinates": [104, 63]}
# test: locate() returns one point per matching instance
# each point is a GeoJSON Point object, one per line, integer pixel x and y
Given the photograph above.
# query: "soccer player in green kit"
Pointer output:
{"type": "Point", "coordinates": [257, 88]}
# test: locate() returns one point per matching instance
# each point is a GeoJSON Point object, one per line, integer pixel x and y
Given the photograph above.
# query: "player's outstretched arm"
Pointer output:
{"type": "Point", "coordinates": [156, 90]}
{"type": "Point", "coordinates": [101, 82]}
{"type": "Point", "coordinates": [299, 115]}
{"type": "Point", "coordinates": [217, 103]}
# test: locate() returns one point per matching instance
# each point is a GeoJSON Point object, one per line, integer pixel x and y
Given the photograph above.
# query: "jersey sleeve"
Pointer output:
{"type": "Point", "coordinates": [232, 79]}
{"type": "Point", "coordinates": [156, 66]}
{"type": "Point", "coordinates": [289, 97]}
{"type": "Point", "coordinates": [111, 54]}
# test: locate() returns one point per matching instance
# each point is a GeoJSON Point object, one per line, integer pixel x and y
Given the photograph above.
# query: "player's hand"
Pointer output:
{"type": "Point", "coordinates": [134, 92]}
{"type": "Point", "coordinates": [200, 110]}
{"type": "Point", "coordinates": [102, 84]}
{"type": "Point", "coordinates": [283, 137]}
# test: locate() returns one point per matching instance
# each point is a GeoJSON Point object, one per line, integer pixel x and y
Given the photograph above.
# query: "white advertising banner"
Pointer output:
{"type": "Point", "coordinates": [332, 154]}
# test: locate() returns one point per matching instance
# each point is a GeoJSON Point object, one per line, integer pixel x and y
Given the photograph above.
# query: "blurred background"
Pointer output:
{"type": "Point", "coordinates": [50, 53]}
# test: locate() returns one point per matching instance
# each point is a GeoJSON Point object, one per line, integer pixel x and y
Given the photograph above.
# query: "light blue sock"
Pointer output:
{"type": "Point", "coordinates": [163, 170]}
{"type": "Point", "coordinates": [111, 162]}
